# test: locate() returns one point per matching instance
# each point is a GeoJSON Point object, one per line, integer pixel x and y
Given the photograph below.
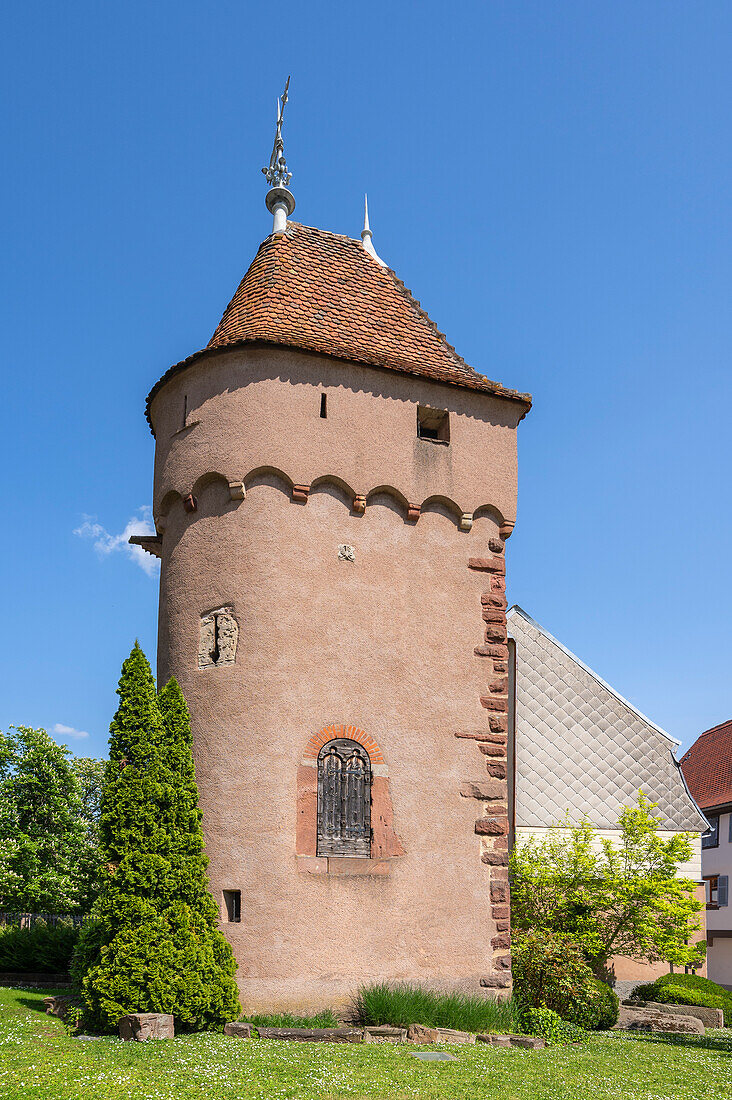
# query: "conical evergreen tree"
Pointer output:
{"type": "Point", "coordinates": [152, 944]}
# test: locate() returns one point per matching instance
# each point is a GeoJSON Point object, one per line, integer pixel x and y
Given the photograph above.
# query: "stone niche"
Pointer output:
{"type": "Point", "coordinates": [218, 635]}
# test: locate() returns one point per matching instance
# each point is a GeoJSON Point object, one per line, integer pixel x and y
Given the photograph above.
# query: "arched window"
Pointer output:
{"type": "Point", "coordinates": [344, 799]}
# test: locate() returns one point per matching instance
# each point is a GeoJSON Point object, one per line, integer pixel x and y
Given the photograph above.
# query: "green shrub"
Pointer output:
{"type": "Point", "coordinates": [551, 1027]}
{"type": "Point", "coordinates": [687, 989]}
{"type": "Point", "coordinates": [42, 948]}
{"type": "Point", "coordinates": [607, 1004]}
{"type": "Point", "coordinates": [403, 1004]}
{"type": "Point", "coordinates": [549, 971]}
{"type": "Point", "coordinates": [152, 944]}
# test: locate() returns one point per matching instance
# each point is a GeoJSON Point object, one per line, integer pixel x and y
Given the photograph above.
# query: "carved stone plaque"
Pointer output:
{"type": "Point", "coordinates": [219, 633]}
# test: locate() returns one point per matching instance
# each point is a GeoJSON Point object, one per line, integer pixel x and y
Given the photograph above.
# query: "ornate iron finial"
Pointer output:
{"type": "Point", "coordinates": [276, 172]}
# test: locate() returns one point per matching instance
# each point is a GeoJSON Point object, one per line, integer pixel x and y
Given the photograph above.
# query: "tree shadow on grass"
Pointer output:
{"type": "Point", "coordinates": [721, 1043]}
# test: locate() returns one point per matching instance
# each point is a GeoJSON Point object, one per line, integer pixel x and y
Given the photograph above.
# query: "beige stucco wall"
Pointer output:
{"type": "Point", "coordinates": [384, 642]}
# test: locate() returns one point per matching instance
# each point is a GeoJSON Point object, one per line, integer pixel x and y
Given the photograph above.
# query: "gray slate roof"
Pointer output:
{"type": "Point", "coordinates": [581, 747]}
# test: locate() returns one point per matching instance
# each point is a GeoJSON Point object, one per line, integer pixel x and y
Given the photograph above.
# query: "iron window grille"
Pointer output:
{"type": "Point", "coordinates": [344, 799]}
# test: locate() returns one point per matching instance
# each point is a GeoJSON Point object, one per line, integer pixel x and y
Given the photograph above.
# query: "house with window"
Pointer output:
{"type": "Point", "coordinates": [579, 750]}
{"type": "Point", "coordinates": [707, 767]}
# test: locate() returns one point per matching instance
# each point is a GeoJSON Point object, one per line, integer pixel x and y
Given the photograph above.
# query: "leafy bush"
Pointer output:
{"type": "Point", "coordinates": [687, 989]}
{"type": "Point", "coordinates": [404, 1004]}
{"type": "Point", "coordinates": [607, 1004]}
{"type": "Point", "coordinates": [41, 948]}
{"type": "Point", "coordinates": [551, 1027]}
{"type": "Point", "coordinates": [549, 971]}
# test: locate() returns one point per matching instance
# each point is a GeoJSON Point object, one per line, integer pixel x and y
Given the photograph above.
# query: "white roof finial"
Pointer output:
{"type": "Point", "coordinates": [366, 234]}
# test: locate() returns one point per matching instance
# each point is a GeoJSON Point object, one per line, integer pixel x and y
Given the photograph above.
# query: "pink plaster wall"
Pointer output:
{"type": "Point", "coordinates": [261, 407]}
{"type": "Point", "coordinates": [385, 643]}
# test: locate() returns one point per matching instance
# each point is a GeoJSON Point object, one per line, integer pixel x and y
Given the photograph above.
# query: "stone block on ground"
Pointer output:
{"type": "Point", "coordinates": [418, 1033]}
{"type": "Point", "coordinates": [530, 1042]}
{"type": "Point", "coordinates": [142, 1026]}
{"type": "Point", "coordinates": [238, 1029]}
{"type": "Point", "coordinates": [449, 1035]}
{"type": "Point", "coordinates": [495, 1040]}
{"type": "Point", "coordinates": [710, 1017]}
{"type": "Point", "coordinates": [59, 1006]}
{"type": "Point", "coordinates": [646, 1019]}
{"type": "Point", "coordinates": [313, 1034]}
{"type": "Point", "coordinates": [384, 1035]}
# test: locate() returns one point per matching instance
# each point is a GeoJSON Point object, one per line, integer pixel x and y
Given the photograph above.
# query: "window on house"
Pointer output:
{"type": "Point", "coordinates": [232, 901]}
{"type": "Point", "coordinates": [711, 838]}
{"type": "Point", "coordinates": [344, 799]}
{"type": "Point", "coordinates": [717, 891]}
{"type": "Point", "coordinates": [324, 406]}
{"type": "Point", "coordinates": [433, 424]}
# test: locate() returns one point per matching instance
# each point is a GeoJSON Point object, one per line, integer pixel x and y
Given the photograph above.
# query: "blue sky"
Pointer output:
{"type": "Point", "coordinates": [551, 180]}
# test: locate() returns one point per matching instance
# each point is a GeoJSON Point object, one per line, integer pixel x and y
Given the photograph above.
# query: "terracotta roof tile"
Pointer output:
{"type": "Point", "coordinates": [311, 289]}
{"type": "Point", "coordinates": [707, 767]}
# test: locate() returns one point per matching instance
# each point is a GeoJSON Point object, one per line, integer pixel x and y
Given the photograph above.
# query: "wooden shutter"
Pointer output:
{"type": "Point", "coordinates": [344, 799]}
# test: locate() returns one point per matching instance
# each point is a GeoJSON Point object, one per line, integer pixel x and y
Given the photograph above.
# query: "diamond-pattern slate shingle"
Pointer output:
{"type": "Point", "coordinates": [580, 747]}
{"type": "Point", "coordinates": [322, 292]}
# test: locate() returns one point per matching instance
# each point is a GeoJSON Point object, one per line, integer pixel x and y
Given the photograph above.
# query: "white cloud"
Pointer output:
{"type": "Point", "coordinates": [105, 544]}
{"type": "Point", "coordinates": [68, 731]}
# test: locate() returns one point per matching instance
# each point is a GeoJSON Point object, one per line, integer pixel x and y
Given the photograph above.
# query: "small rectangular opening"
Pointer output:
{"type": "Point", "coordinates": [324, 406]}
{"type": "Point", "coordinates": [433, 424]}
{"type": "Point", "coordinates": [185, 409]}
{"type": "Point", "coordinates": [232, 901]}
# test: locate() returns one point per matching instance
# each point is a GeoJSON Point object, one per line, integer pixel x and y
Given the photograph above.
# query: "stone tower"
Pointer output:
{"type": "Point", "coordinates": [333, 490]}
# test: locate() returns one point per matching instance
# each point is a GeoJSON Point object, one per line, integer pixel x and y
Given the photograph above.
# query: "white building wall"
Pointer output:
{"type": "Point", "coordinates": [692, 869]}
{"type": "Point", "coordinates": [718, 861]}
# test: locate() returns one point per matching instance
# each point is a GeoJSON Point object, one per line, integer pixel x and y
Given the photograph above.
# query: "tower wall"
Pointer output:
{"type": "Point", "coordinates": [404, 644]}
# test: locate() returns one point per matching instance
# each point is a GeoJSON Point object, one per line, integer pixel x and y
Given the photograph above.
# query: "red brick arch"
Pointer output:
{"type": "Point", "coordinates": [353, 733]}
{"type": "Point", "coordinates": [385, 844]}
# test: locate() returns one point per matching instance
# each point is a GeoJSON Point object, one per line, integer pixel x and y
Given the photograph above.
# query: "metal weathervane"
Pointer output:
{"type": "Point", "coordinates": [276, 172]}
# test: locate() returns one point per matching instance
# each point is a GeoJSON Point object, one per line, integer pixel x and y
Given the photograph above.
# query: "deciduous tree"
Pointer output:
{"type": "Point", "coordinates": [622, 897]}
{"type": "Point", "coordinates": [41, 828]}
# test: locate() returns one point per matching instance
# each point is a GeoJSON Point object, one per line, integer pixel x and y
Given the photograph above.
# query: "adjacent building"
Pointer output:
{"type": "Point", "coordinates": [580, 750]}
{"type": "Point", "coordinates": [707, 767]}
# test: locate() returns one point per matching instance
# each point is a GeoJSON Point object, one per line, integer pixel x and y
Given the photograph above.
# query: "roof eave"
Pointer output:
{"type": "Point", "coordinates": [484, 385]}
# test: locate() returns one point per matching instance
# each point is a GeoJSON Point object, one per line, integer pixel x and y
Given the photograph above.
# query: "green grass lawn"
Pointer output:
{"type": "Point", "coordinates": [40, 1061]}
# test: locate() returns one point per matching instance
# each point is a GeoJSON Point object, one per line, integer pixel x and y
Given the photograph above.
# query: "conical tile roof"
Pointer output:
{"type": "Point", "coordinates": [322, 292]}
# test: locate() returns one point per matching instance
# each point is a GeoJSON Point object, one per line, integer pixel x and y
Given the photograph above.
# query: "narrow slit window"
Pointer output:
{"type": "Point", "coordinates": [232, 901]}
{"type": "Point", "coordinates": [433, 424]}
{"type": "Point", "coordinates": [324, 406]}
{"type": "Point", "coordinates": [185, 410]}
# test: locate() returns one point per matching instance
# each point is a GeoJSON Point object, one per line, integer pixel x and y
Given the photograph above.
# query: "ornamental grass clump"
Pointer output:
{"type": "Point", "coordinates": [403, 1004]}
{"type": "Point", "coordinates": [152, 944]}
